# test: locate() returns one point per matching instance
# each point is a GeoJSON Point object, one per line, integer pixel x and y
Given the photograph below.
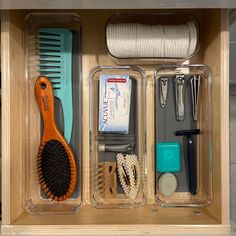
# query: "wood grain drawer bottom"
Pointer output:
{"type": "Point", "coordinates": [150, 218]}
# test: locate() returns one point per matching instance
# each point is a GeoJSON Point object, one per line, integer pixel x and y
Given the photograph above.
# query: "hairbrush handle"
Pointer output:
{"type": "Point", "coordinates": [45, 99]}
{"type": "Point", "coordinates": [53, 149]}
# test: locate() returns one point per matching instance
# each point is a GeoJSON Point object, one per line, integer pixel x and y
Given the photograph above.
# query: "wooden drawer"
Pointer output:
{"type": "Point", "coordinates": [150, 218]}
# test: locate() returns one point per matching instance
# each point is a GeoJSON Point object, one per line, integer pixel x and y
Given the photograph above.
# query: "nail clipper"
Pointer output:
{"type": "Point", "coordinates": [180, 87]}
{"type": "Point", "coordinates": [163, 91]}
{"type": "Point", "coordinates": [195, 82]}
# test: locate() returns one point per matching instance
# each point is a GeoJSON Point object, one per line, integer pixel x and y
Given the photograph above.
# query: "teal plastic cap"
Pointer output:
{"type": "Point", "coordinates": [168, 157]}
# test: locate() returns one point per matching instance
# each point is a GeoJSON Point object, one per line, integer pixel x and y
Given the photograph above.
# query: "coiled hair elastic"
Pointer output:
{"type": "Point", "coordinates": [133, 40]}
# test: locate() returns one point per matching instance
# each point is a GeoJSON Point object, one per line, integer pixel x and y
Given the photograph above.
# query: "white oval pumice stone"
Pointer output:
{"type": "Point", "coordinates": [167, 184]}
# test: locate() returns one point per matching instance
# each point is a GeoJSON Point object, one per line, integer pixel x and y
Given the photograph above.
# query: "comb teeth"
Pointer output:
{"type": "Point", "coordinates": [50, 50]}
{"type": "Point", "coordinates": [54, 50]}
{"type": "Point", "coordinates": [54, 170]}
{"type": "Point", "coordinates": [106, 179]}
{"type": "Point", "coordinates": [100, 177]}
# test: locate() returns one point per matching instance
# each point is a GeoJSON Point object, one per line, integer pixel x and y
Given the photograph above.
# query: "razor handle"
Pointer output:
{"type": "Point", "coordinates": [191, 166]}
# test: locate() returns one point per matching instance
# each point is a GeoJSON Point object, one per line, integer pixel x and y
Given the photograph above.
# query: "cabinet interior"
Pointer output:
{"type": "Point", "coordinates": [213, 48]}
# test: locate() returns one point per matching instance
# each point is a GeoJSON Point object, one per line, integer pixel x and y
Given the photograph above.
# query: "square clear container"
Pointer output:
{"type": "Point", "coordinates": [165, 19]}
{"type": "Point", "coordinates": [135, 137]}
{"type": "Point", "coordinates": [166, 125]}
{"type": "Point", "coordinates": [35, 200]}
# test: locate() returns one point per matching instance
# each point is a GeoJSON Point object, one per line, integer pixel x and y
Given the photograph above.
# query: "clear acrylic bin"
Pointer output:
{"type": "Point", "coordinates": [106, 190]}
{"type": "Point", "coordinates": [165, 19]}
{"type": "Point", "coordinates": [189, 193]}
{"type": "Point", "coordinates": [35, 200]}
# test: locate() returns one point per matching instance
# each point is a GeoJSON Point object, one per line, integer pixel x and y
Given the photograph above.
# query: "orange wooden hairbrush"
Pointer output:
{"type": "Point", "coordinates": [55, 162]}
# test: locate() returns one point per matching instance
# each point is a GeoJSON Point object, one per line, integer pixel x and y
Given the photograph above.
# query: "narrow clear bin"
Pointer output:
{"type": "Point", "coordinates": [105, 184]}
{"type": "Point", "coordinates": [183, 134]}
{"type": "Point", "coordinates": [139, 39]}
{"type": "Point", "coordinates": [67, 112]}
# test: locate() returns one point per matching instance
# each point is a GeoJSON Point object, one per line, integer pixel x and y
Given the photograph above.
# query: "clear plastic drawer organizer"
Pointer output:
{"type": "Point", "coordinates": [117, 137]}
{"type": "Point", "coordinates": [183, 115]}
{"type": "Point", "coordinates": [50, 39]}
{"type": "Point", "coordinates": [183, 135]}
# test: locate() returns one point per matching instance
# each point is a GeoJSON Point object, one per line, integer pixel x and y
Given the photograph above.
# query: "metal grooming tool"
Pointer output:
{"type": "Point", "coordinates": [195, 83]}
{"type": "Point", "coordinates": [123, 148]}
{"type": "Point", "coordinates": [180, 87]}
{"type": "Point", "coordinates": [115, 137]}
{"type": "Point", "coordinates": [163, 88]}
{"type": "Point", "coordinates": [106, 177]}
{"type": "Point", "coordinates": [192, 169]}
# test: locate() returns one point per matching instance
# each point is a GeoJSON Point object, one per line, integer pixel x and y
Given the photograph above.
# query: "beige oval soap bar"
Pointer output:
{"type": "Point", "coordinates": [167, 184]}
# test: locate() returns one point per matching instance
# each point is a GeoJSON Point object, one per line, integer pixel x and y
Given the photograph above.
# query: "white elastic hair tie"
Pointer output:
{"type": "Point", "coordinates": [133, 40]}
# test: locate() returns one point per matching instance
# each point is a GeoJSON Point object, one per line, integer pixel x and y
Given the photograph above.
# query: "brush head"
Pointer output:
{"type": "Point", "coordinates": [55, 170]}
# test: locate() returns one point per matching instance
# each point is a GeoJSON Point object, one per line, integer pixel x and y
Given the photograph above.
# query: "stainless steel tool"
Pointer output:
{"type": "Point", "coordinates": [163, 91]}
{"type": "Point", "coordinates": [118, 148]}
{"type": "Point", "coordinates": [195, 83]}
{"type": "Point", "coordinates": [180, 87]}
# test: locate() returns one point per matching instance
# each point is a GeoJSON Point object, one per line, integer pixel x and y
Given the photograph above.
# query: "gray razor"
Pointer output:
{"type": "Point", "coordinates": [180, 87]}
{"type": "Point", "coordinates": [195, 83]}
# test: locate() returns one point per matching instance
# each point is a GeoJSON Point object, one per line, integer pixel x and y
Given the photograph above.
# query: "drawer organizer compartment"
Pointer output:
{"type": "Point", "coordinates": [183, 130]}
{"type": "Point", "coordinates": [54, 51]}
{"type": "Point", "coordinates": [141, 130]}
{"type": "Point", "coordinates": [117, 137]}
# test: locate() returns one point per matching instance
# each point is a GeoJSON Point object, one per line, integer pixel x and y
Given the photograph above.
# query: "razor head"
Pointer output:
{"type": "Point", "coordinates": [187, 132]}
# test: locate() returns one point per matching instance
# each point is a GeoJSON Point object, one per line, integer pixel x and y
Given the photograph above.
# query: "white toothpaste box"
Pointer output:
{"type": "Point", "coordinates": [114, 103]}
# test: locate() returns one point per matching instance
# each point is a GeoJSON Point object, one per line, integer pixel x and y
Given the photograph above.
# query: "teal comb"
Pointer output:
{"type": "Point", "coordinates": [55, 55]}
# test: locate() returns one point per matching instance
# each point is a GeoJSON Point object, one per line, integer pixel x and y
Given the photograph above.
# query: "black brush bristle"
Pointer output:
{"type": "Point", "coordinates": [54, 168]}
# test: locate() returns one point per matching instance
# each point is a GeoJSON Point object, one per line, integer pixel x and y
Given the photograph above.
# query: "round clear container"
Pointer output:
{"type": "Point", "coordinates": [165, 19]}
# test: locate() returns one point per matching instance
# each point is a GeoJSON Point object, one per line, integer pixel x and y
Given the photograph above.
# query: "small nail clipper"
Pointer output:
{"type": "Point", "coordinates": [195, 82]}
{"type": "Point", "coordinates": [180, 87]}
{"type": "Point", "coordinates": [163, 87]}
